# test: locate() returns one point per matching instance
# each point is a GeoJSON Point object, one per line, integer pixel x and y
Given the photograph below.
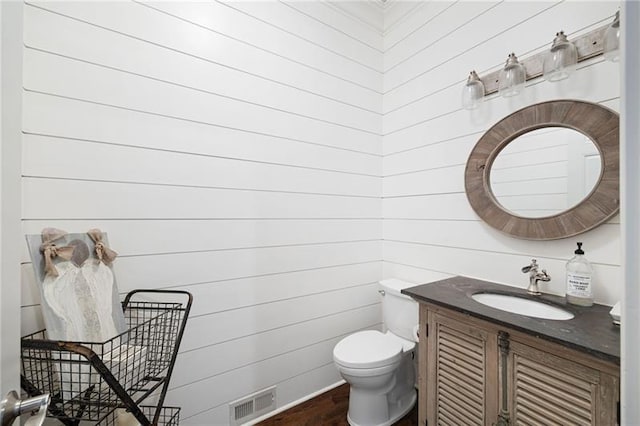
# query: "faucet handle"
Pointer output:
{"type": "Point", "coordinates": [533, 266]}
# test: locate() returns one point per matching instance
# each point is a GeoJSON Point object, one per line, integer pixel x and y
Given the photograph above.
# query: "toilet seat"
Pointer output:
{"type": "Point", "coordinates": [368, 349]}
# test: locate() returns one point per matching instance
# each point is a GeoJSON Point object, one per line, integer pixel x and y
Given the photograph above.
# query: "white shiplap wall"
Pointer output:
{"type": "Point", "coordinates": [229, 149]}
{"type": "Point", "coordinates": [237, 150]}
{"type": "Point", "coordinates": [429, 229]}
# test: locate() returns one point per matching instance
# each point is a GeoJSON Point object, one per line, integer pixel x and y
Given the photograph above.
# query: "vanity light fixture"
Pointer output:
{"type": "Point", "coordinates": [561, 60]}
{"type": "Point", "coordinates": [512, 77]}
{"type": "Point", "coordinates": [472, 92]}
{"type": "Point", "coordinates": [553, 65]}
{"type": "Point", "coordinates": [611, 42]}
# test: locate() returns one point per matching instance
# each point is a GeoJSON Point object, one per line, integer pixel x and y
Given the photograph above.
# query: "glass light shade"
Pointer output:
{"type": "Point", "coordinates": [561, 60]}
{"type": "Point", "coordinates": [611, 42]}
{"type": "Point", "coordinates": [512, 77]}
{"type": "Point", "coordinates": [472, 92]}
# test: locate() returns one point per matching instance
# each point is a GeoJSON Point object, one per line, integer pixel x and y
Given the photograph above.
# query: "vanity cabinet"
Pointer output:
{"type": "Point", "coordinates": [477, 372]}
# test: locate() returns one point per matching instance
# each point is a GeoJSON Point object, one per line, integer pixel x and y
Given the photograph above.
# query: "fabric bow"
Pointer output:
{"type": "Point", "coordinates": [50, 251]}
{"type": "Point", "coordinates": [104, 253]}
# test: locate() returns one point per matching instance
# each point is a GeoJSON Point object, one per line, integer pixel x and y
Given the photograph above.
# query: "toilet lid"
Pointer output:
{"type": "Point", "coordinates": [367, 349]}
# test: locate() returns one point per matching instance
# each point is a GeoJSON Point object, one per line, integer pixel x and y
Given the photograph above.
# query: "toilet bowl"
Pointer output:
{"type": "Point", "coordinates": [379, 367]}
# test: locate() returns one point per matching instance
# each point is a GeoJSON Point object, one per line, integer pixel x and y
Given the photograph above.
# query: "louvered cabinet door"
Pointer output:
{"type": "Point", "coordinates": [548, 390]}
{"type": "Point", "coordinates": [464, 389]}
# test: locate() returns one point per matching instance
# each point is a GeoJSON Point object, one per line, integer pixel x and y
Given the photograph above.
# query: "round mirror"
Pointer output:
{"type": "Point", "coordinates": [545, 172]}
{"type": "Point", "coordinates": [523, 179]}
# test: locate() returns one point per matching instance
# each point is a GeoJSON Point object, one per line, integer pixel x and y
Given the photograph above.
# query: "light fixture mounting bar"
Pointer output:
{"type": "Point", "coordinates": [589, 45]}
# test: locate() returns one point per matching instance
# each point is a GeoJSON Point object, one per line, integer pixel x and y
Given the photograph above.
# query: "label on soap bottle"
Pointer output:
{"type": "Point", "coordinates": [578, 285]}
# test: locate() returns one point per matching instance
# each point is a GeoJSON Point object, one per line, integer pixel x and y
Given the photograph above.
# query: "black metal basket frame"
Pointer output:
{"type": "Point", "coordinates": [84, 381]}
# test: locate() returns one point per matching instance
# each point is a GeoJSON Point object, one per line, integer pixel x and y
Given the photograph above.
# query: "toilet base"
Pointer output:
{"type": "Point", "coordinates": [395, 411]}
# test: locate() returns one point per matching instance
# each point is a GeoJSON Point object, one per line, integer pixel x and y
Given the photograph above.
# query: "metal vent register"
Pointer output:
{"type": "Point", "coordinates": [252, 406]}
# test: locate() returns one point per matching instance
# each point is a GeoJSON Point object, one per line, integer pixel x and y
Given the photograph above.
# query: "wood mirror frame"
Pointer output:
{"type": "Point", "coordinates": [598, 123]}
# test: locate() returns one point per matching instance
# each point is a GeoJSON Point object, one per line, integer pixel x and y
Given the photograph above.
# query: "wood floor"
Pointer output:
{"type": "Point", "coordinates": [328, 409]}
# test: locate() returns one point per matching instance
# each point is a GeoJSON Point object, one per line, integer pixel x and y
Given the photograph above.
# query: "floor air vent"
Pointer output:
{"type": "Point", "coordinates": [252, 406]}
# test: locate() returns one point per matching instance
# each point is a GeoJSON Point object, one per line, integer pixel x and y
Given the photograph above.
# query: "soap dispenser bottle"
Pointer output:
{"type": "Point", "coordinates": [579, 272]}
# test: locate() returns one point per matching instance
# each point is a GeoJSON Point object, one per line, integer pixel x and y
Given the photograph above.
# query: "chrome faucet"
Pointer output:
{"type": "Point", "coordinates": [535, 276]}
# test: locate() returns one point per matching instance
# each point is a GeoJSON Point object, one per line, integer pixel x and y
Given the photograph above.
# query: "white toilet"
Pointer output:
{"type": "Point", "coordinates": [380, 366]}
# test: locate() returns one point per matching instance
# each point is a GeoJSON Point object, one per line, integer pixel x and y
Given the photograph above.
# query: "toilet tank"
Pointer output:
{"type": "Point", "coordinates": [399, 311]}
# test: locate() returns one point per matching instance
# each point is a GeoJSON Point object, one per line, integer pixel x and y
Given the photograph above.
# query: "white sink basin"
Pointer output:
{"type": "Point", "coordinates": [522, 306]}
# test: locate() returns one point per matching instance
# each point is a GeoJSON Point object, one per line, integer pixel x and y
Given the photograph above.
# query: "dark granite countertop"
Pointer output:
{"type": "Point", "coordinates": [591, 330]}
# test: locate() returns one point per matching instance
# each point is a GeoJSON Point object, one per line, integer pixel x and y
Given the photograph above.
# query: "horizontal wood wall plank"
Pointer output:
{"type": "Point", "coordinates": [451, 152]}
{"type": "Point", "coordinates": [396, 14]}
{"type": "Point", "coordinates": [412, 274]}
{"type": "Point", "coordinates": [72, 159]}
{"type": "Point", "coordinates": [339, 21]}
{"type": "Point", "coordinates": [503, 268]}
{"type": "Point", "coordinates": [222, 326]}
{"type": "Point", "coordinates": [246, 25]}
{"type": "Point", "coordinates": [68, 118]}
{"type": "Point", "coordinates": [233, 292]}
{"type": "Point", "coordinates": [433, 118]}
{"type": "Point", "coordinates": [102, 200]}
{"type": "Point", "coordinates": [173, 270]}
{"type": "Point", "coordinates": [75, 39]}
{"type": "Point", "coordinates": [454, 206]}
{"type": "Point", "coordinates": [492, 35]}
{"type": "Point", "coordinates": [316, 35]}
{"type": "Point", "coordinates": [401, 62]}
{"type": "Point", "coordinates": [161, 29]}
{"type": "Point", "coordinates": [602, 244]}
{"type": "Point", "coordinates": [369, 13]}
{"type": "Point", "coordinates": [177, 236]}
{"type": "Point", "coordinates": [292, 284]}
{"type": "Point", "coordinates": [206, 395]}
{"type": "Point", "coordinates": [237, 353]}
{"type": "Point", "coordinates": [142, 94]}
{"type": "Point", "coordinates": [404, 19]}
{"type": "Point", "coordinates": [434, 181]}
{"type": "Point", "coordinates": [241, 294]}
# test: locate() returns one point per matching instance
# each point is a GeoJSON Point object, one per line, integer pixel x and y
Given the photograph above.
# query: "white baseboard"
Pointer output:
{"type": "Point", "coordinates": [293, 403]}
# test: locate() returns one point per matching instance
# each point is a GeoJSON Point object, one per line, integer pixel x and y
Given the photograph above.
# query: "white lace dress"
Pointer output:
{"type": "Point", "coordinates": [80, 299]}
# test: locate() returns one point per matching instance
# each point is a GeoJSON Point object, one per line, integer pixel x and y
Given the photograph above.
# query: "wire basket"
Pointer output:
{"type": "Point", "coordinates": [90, 380]}
{"type": "Point", "coordinates": [168, 416]}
